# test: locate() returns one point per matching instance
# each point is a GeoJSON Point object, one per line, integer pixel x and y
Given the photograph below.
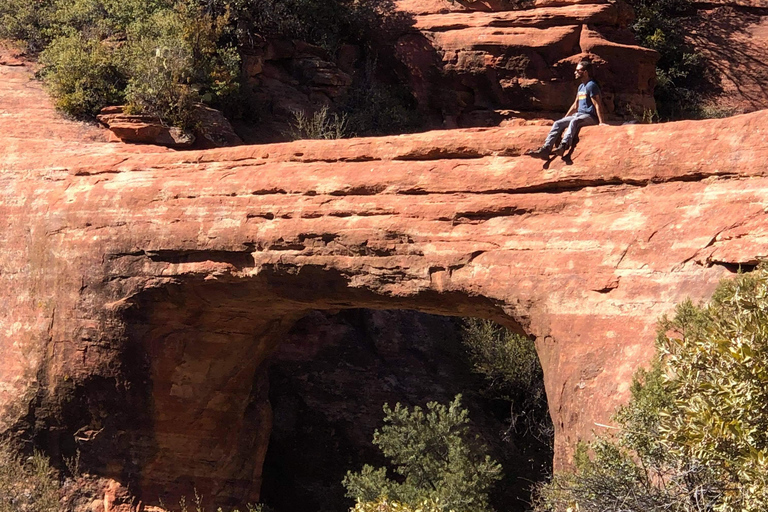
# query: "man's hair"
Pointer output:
{"type": "Point", "coordinates": [587, 66]}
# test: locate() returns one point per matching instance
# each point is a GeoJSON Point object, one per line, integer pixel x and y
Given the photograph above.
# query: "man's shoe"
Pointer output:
{"type": "Point", "coordinates": [542, 152]}
{"type": "Point", "coordinates": [561, 149]}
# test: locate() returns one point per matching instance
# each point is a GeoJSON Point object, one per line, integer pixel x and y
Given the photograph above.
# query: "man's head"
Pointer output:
{"type": "Point", "coordinates": [583, 70]}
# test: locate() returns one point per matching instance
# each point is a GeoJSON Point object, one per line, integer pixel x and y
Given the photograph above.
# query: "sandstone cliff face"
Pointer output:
{"type": "Point", "coordinates": [473, 60]}
{"type": "Point", "coordinates": [143, 289]}
{"type": "Point", "coordinates": [466, 63]}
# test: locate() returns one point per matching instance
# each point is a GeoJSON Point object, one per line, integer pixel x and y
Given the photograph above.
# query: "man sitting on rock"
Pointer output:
{"type": "Point", "coordinates": [586, 110]}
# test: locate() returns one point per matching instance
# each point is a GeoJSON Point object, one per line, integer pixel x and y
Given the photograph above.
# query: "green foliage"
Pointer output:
{"type": "Point", "coordinates": [717, 357]}
{"type": "Point", "coordinates": [682, 79]}
{"type": "Point", "coordinates": [161, 56]}
{"type": "Point", "coordinates": [695, 433]}
{"type": "Point", "coordinates": [25, 21]}
{"type": "Point", "coordinates": [326, 23]}
{"type": "Point", "coordinates": [385, 505]}
{"type": "Point", "coordinates": [175, 61]}
{"type": "Point", "coordinates": [437, 460]}
{"type": "Point", "coordinates": [375, 108]}
{"type": "Point", "coordinates": [512, 371]}
{"type": "Point", "coordinates": [27, 485]}
{"type": "Point", "coordinates": [82, 75]}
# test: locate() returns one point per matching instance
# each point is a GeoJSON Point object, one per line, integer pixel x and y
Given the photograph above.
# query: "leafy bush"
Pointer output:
{"type": "Point", "coordinates": [513, 373]}
{"type": "Point", "coordinates": [682, 79]}
{"type": "Point", "coordinates": [161, 56]}
{"type": "Point", "coordinates": [437, 459]}
{"type": "Point", "coordinates": [175, 61]}
{"type": "Point", "coordinates": [24, 21]}
{"type": "Point", "coordinates": [83, 75]}
{"type": "Point", "coordinates": [326, 23]}
{"type": "Point", "coordinates": [27, 485]}
{"type": "Point", "coordinates": [695, 434]}
{"type": "Point", "coordinates": [384, 505]}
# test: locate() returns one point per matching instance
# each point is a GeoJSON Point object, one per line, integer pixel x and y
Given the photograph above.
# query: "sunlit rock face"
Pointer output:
{"type": "Point", "coordinates": [143, 289]}
{"type": "Point", "coordinates": [475, 61]}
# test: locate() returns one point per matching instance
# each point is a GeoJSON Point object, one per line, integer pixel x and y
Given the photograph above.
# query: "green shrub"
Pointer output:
{"type": "Point", "coordinates": [437, 460]}
{"type": "Point", "coordinates": [175, 61]}
{"type": "Point", "coordinates": [385, 505]}
{"type": "Point", "coordinates": [160, 56]}
{"type": "Point", "coordinates": [376, 108]}
{"type": "Point", "coordinates": [513, 373]}
{"type": "Point", "coordinates": [27, 485]}
{"type": "Point", "coordinates": [25, 21]}
{"type": "Point", "coordinates": [683, 81]}
{"type": "Point", "coordinates": [694, 435]}
{"type": "Point", "coordinates": [82, 74]}
{"type": "Point", "coordinates": [326, 23]}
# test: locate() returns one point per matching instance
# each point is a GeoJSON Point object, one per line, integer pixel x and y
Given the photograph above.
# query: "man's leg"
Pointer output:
{"type": "Point", "coordinates": [554, 134]}
{"type": "Point", "coordinates": [577, 121]}
{"type": "Point", "coordinates": [557, 128]}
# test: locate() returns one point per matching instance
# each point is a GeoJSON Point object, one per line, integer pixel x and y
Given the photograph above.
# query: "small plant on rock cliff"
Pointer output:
{"type": "Point", "coordinates": [694, 436]}
{"type": "Point", "coordinates": [320, 125]}
{"type": "Point", "coordinates": [27, 485]}
{"type": "Point", "coordinates": [436, 458]}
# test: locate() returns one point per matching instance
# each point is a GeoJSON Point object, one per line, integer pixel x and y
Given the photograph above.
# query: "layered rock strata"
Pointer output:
{"type": "Point", "coordinates": [143, 289]}
{"type": "Point", "coordinates": [471, 59]}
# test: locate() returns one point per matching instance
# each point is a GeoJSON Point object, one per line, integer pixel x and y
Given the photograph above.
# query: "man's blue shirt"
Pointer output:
{"type": "Point", "coordinates": [586, 93]}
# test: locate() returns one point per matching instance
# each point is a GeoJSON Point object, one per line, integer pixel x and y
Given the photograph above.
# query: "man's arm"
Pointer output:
{"type": "Point", "coordinates": [597, 101]}
{"type": "Point", "coordinates": [573, 108]}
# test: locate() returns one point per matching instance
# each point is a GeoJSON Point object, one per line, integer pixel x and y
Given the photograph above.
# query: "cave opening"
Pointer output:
{"type": "Point", "coordinates": [328, 382]}
{"type": "Point", "coordinates": [270, 388]}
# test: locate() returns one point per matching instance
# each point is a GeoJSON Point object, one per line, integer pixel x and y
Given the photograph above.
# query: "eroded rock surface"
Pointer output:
{"type": "Point", "coordinates": [475, 59]}
{"type": "Point", "coordinates": [142, 289]}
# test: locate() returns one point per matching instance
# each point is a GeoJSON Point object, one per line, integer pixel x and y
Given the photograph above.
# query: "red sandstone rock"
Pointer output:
{"type": "Point", "coordinates": [211, 129]}
{"type": "Point", "coordinates": [143, 289]}
{"type": "Point", "coordinates": [479, 56]}
{"type": "Point", "coordinates": [144, 129]}
{"type": "Point", "coordinates": [733, 43]}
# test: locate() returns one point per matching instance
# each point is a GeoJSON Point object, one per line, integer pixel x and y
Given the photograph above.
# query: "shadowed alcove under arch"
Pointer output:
{"type": "Point", "coordinates": [204, 348]}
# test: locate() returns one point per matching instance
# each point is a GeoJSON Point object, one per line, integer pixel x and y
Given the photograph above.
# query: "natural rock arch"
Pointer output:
{"type": "Point", "coordinates": [101, 242]}
{"type": "Point", "coordinates": [203, 346]}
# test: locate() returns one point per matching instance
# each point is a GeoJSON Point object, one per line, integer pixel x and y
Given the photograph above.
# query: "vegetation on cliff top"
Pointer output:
{"type": "Point", "coordinates": [694, 436]}
{"type": "Point", "coordinates": [163, 56]}
{"type": "Point", "coordinates": [683, 79]}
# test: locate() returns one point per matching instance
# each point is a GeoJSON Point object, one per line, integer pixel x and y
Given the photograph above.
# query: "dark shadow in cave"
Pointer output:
{"type": "Point", "coordinates": [329, 380]}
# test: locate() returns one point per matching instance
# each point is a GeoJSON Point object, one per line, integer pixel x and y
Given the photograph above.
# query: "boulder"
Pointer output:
{"type": "Point", "coordinates": [211, 129]}
{"type": "Point", "coordinates": [144, 129]}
